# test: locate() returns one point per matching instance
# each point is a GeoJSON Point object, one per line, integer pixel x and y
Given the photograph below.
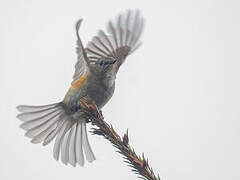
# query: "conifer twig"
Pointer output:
{"type": "Point", "coordinates": [139, 164]}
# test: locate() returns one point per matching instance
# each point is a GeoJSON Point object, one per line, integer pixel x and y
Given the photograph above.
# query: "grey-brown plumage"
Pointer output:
{"type": "Point", "coordinates": [95, 73]}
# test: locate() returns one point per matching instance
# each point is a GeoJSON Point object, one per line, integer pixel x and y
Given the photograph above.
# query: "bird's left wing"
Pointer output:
{"type": "Point", "coordinates": [82, 64]}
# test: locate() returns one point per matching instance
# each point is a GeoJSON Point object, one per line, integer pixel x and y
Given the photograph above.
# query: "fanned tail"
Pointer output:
{"type": "Point", "coordinates": [44, 123]}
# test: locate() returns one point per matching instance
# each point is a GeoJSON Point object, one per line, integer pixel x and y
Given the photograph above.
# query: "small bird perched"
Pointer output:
{"type": "Point", "coordinates": [95, 73]}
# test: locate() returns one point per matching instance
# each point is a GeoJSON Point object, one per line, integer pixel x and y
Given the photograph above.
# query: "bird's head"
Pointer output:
{"type": "Point", "coordinates": [106, 66]}
{"type": "Point", "coordinates": [106, 69]}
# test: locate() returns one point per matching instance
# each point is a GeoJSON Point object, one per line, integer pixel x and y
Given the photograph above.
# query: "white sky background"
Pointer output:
{"type": "Point", "coordinates": [179, 94]}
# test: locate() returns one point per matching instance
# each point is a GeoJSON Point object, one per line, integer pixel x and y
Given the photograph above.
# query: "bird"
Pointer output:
{"type": "Point", "coordinates": [95, 73]}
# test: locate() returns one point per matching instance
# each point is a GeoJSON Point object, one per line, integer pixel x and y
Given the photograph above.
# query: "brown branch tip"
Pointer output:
{"type": "Point", "coordinates": [138, 164]}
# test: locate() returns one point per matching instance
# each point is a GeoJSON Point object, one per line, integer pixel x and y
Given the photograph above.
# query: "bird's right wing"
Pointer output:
{"type": "Point", "coordinates": [122, 39]}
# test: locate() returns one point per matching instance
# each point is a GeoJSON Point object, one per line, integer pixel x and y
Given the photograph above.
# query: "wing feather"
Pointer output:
{"type": "Point", "coordinates": [82, 64]}
{"type": "Point", "coordinates": [122, 38]}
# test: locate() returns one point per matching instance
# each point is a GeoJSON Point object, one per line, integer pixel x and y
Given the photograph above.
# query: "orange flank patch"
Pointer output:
{"type": "Point", "coordinates": [79, 81]}
{"type": "Point", "coordinates": [76, 84]}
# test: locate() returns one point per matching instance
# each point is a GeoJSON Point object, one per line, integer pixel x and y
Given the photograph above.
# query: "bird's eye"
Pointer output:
{"type": "Point", "coordinates": [101, 63]}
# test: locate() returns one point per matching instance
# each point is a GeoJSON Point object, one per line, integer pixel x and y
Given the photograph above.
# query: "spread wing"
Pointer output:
{"type": "Point", "coordinates": [122, 38]}
{"type": "Point", "coordinates": [82, 64]}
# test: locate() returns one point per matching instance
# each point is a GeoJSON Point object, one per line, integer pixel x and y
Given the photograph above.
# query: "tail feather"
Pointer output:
{"type": "Point", "coordinates": [34, 131]}
{"type": "Point", "coordinates": [44, 123]}
{"type": "Point", "coordinates": [27, 116]}
{"type": "Point", "coordinates": [79, 149]}
{"type": "Point", "coordinates": [72, 146]}
{"type": "Point", "coordinates": [86, 145]}
{"type": "Point", "coordinates": [68, 146]}
{"type": "Point", "coordinates": [25, 108]}
{"type": "Point", "coordinates": [39, 121]}
{"type": "Point", "coordinates": [58, 142]}
{"type": "Point", "coordinates": [41, 136]}
{"type": "Point", "coordinates": [54, 133]}
{"type": "Point", "coordinates": [65, 147]}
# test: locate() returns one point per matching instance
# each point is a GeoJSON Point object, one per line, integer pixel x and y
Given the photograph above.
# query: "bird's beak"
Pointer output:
{"type": "Point", "coordinates": [113, 61]}
{"type": "Point", "coordinates": [110, 62]}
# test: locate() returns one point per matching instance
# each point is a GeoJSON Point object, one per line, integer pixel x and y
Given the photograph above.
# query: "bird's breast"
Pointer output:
{"type": "Point", "coordinates": [101, 94]}
{"type": "Point", "coordinates": [88, 85]}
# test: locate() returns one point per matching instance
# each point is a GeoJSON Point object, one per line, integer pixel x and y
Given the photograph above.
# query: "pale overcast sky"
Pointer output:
{"type": "Point", "coordinates": [179, 94]}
